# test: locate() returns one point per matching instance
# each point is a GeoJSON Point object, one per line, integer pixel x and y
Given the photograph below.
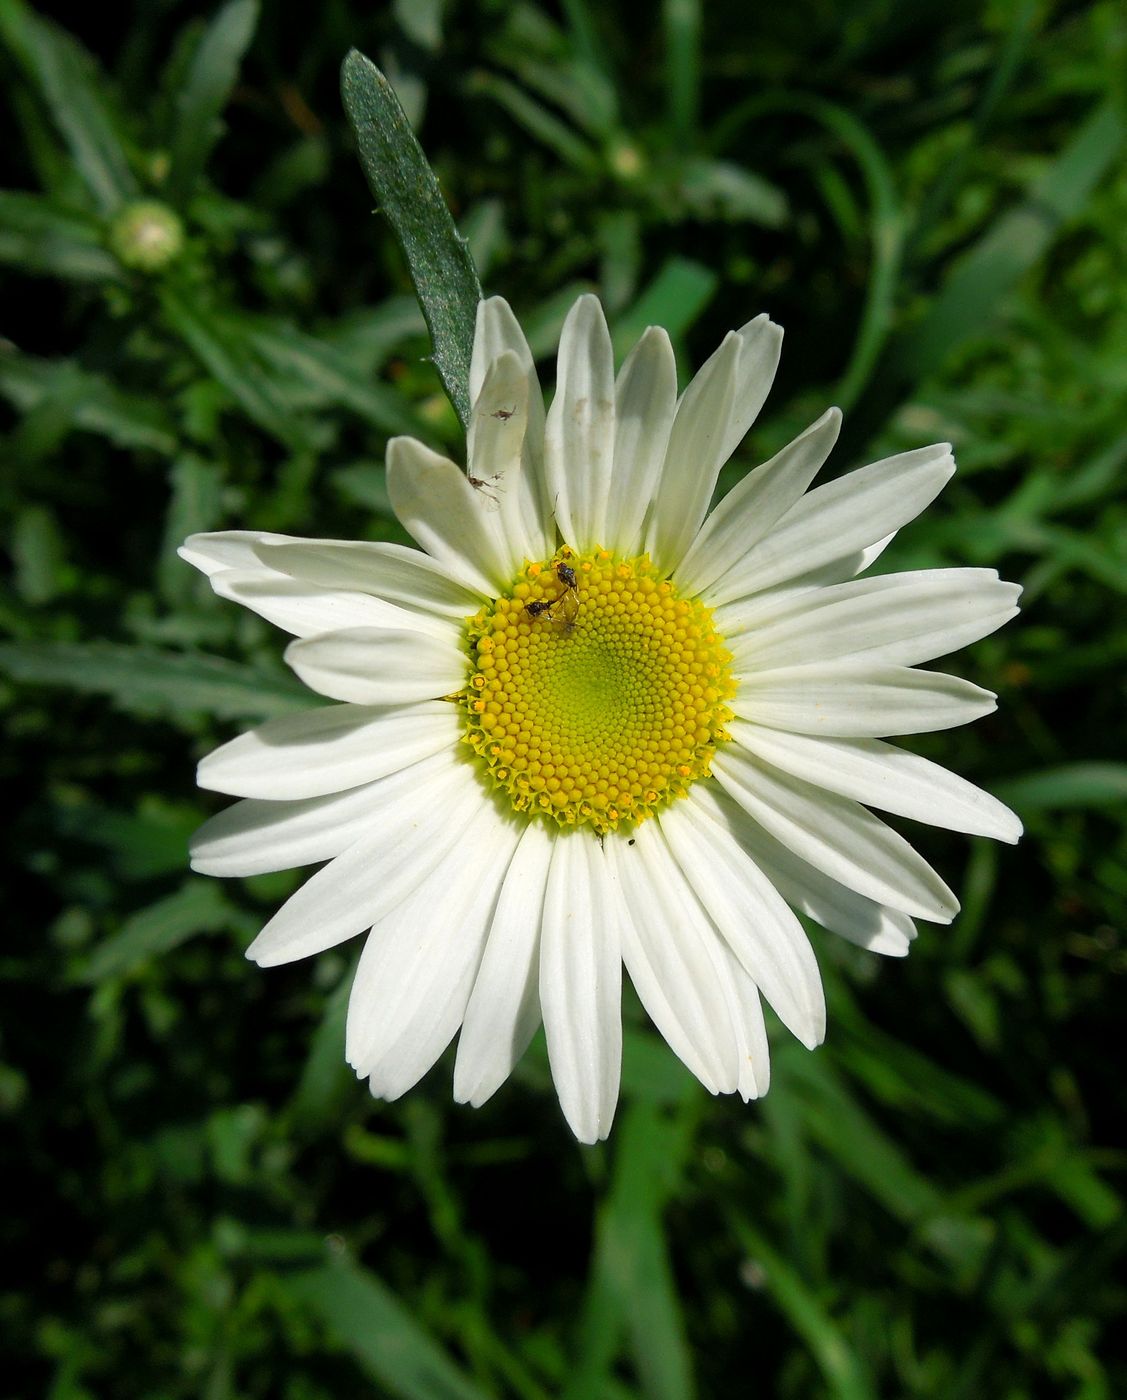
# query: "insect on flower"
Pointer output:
{"type": "Point", "coordinates": [567, 601]}
{"type": "Point", "coordinates": [487, 487]}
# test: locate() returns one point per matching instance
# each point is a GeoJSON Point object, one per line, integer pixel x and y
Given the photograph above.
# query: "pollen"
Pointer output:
{"type": "Point", "coordinates": [595, 695]}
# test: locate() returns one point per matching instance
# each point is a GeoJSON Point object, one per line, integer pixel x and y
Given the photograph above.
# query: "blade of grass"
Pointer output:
{"type": "Point", "coordinates": [631, 1288]}
{"type": "Point", "coordinates": [69, 83]}
{"type": "Point", "coordinates": [885, 217]}
{"type": "Point", "coordinates": [1073, 785]}
{"type": "Point", "coordinates": [144, 681]}
{"type": "Point", "coordinates": [681, 22]}
{"type": "Point", "coordinates": [1013, 244]}
{"type": "Point", "coordinates": [41, 238]}
{"type": "Point", "coordinates": [674, 299]}
{"type": "Point", "coordinates": [221, 346]}
{"type": "Point", "coordinates": [836, 1359]}
{"type": "Point", "coordinates": [199, 906]}
{"type": "Point", "coordinates": [207, 88]}
{"type": "Point", "coordinates": [407, 191]}
{"type": "Point", "coordinates": [387, 1342]}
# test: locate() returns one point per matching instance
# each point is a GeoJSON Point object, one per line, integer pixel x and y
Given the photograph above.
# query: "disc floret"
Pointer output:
{"type": "Point", "coordinates": [596, 694]}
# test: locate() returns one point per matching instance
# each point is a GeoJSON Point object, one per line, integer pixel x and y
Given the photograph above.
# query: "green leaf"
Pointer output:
{"type": "Point", "coordinates": [144, 681]}
{"type": "Point", "coordinates": [69, 84]}
{"type": "Point", "coordinates": [804, 1310]}
{"type": "Point", "coordinates": [199, 906]}
{"type": "Point", "coordinates": [674, 299]}
{"type": "Point", "coordinates": [405, 187]}
{"type": "Point", "coordinates": [44, 239]}
{"type": "Point", "coordinates": [631, 1287]}
{"type": "Point", "coordinates": [327, 376]}
{"type": "Point", "coordinates": [38, 551]}
{"type": "Point", "coordinates": [368, 1320]}
{"type": "Point", "coordinates": [1013, 244]}
{"type": "Point", "coordinates": [207, 88]}
{"type": "Point", "coordinates": [720, 189]}
{"type": "Point", "coordinates": [326, 1076]}
{"type": "Point", "coordinates": [74, 397]}
{"type": "Point", "coordinates": [196, 504]}
{"type": "Point", "coordinates": [537, 121]}
{"type": "Point", "coordinates": [1097, 784]}
{"type": "Point", "coordinates": [221, 345]}
{"type": "Point", "coordinates": [681, 22]}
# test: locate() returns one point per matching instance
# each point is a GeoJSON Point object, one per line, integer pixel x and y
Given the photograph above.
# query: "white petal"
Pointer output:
{"type": "Point", "coordinates": [306, 610]}
{"type": "Point", "coordinates": [495, 451]}
{"type": "Point", "coordinates": [885, 777]}
{"type": "Point", "coordinates": [858, 699]}
{"type": "Point", "coordinates": [848, 566]}
{"type": "Point", "coordinates": [394, 572]}
{"type": "Point", "coordinates": [833, 905]}
{"type": "Point", "coordinates": [840, 517]}
{"type": "Point", "coordinates": [378, 666]}
{"type": "Point", "coordinates": [504, 1007]}
{"type": "Point", "coordinates": [429, 809]}
{"type": "Point", "coordinates": [693, 458]}
{"type": "Point", "coordinates": [837, 835]}
{"type": "Point", "coordinates": [216, 550]}
{"type": "Point", "coordinates": [752, 1048]}
{"type": "Point", "coordinates": [581, 983]}
{"type": "Point", "coordinates": [752, 507]}
{"type": "Point", "coordinates": [497, 331]}
{"type": "Point", "coordinates": [419, 964]}
{"type": "Point", "coordinates": [715, 413]}
{"type": "Point", "coordinates": [256, 836]}
{"type": "Point", "coordinates": [443, 513]}
{"type": "Point", "coordinates": [579, 434]}
{"type": "Point", "coordinates": [761, 343]}
{"type": "Point", "coordinates": [671, 952]}
{"type": "Point", "coordinates": [900, 619]}
{"type": "Point", "coordinates": [327, 750]}
{"type": "Point", "coordinates": [762, 932]}
{"type": "Point", "coordinates": [646, 402]}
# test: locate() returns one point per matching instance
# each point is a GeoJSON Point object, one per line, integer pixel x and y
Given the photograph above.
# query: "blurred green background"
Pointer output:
{"type": "Point", "coordinates": [931, 198]}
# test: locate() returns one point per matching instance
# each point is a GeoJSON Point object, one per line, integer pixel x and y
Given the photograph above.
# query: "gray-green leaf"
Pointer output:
{"type": "Point", "coordinates": [407, 191]}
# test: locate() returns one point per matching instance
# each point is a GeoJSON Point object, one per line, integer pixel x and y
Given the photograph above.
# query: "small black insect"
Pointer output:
{"type": "Point", "coordinates": [538, 609]}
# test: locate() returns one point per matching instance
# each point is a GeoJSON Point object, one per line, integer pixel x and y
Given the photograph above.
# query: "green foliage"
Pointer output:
{"type": "Point", "coordinates": [931, 199]}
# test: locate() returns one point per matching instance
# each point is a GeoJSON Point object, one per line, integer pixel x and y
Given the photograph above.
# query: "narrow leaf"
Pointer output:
{"type": "Point", "coordinates": [205, 93]}
{"type": "Point", "coordinates": [221, 347]}
{"type": "Point", "coordinates": [41, 238]}
{"type": "Point", "coordinates": [144, 681]}
{"type": "Point", "coordinates": [368, 1320]}
{"type": "Point", "coordinates": [74, 397]}
{"type": "Point", "coordinates": [69, 84]}
{"type": "Point", "coordinates": [199, 906]}
{"type": "Point", "coordinates": [1073, 785]}
{"type": "Point", "coordinates": [405, 186]}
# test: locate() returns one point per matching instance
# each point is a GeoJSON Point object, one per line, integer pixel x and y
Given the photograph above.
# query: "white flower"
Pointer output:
{"type": "Point", "coordinates": [587, 723]}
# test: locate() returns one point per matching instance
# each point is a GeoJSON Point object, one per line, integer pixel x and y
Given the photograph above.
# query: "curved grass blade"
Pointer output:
{"type": "Point", "coordinates": [212, 74]}
{"type": "Point", "coordinates": [70, 86]}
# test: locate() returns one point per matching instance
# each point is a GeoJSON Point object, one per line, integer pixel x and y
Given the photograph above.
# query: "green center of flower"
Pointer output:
{"type": "Point", "coordinates": [596, 695]}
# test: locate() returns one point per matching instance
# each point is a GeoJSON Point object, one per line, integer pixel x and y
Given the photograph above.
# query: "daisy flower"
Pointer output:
{"type": "Point", "coordinates": [589, 724]}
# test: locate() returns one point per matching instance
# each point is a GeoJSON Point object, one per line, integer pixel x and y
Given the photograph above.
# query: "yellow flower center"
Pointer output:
{"type": "Point", "coordinates": [596, 695]}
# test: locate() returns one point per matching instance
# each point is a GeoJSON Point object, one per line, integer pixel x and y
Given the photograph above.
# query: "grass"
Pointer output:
{"type": "Point", "coordinates": [931, 199]}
